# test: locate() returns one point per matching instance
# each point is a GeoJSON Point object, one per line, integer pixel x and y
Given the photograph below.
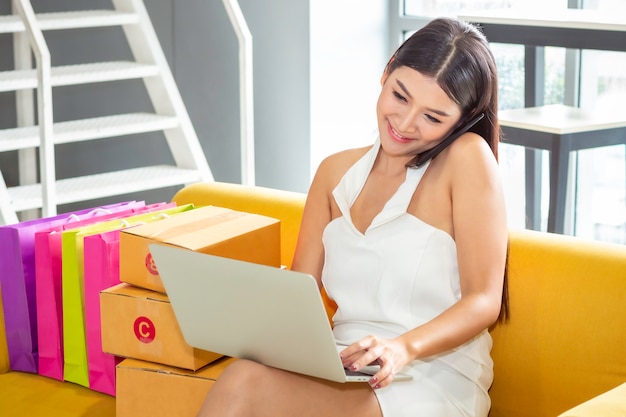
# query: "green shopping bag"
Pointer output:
{"type": "Point", "coordinates": [75, 367]}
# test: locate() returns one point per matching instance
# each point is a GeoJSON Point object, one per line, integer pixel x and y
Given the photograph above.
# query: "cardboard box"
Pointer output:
{"type": "Point", "coordinates": [213, 230]}
{"type": "Point", "coordinates": [139, 323]}
{"type": "Point", "coordinates": [149, 389]}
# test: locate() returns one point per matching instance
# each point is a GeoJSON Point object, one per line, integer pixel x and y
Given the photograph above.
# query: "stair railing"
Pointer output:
{"type": "Point", "coordinates": [246, 99]}
{"type": "Point", "coordinates": [44, 106]}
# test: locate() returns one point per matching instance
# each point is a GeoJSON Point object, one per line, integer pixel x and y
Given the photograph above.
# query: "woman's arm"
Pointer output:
{"type": "Point", "coordinates": [309, 254]}
{"type": "Point", "coordinates": [319, 210]}
{"type": "Point", "coordinates": [481, 234]}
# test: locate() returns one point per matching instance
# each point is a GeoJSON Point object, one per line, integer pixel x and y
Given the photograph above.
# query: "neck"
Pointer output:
{"type": "Point", "coordinates": [390, 166]}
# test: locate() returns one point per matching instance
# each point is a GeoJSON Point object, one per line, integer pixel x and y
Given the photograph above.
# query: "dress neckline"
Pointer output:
{"type": "Point", "coordinates": [353, 181]}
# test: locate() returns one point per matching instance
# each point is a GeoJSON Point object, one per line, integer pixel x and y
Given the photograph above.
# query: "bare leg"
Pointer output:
{"type": "Point", "coordinates": [252, 390]}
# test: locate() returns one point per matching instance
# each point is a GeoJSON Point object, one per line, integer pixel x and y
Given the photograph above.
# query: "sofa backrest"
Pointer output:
{"type": "Point", "coordinates": [566, 339]}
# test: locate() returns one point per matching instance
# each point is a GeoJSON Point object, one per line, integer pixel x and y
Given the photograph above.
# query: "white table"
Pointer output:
{"type": "Point", "coordinates": [560, 130]}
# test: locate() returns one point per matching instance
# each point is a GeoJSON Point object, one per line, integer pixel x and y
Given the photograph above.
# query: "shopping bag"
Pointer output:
{"type": "Point", "coordinates": [17, 278]}
{"type": "Point", "coordinates": [4, 354]}
{"type": "Point", "coordinates": [101, 271]}
{"type": "Point", "coordinates": [72, 292]}
{"type": "Point", "coordinates": [48, 284]}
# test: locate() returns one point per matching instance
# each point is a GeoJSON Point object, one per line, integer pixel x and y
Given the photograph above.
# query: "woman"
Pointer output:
{"type": "Point", "coordinates": [413, 251]}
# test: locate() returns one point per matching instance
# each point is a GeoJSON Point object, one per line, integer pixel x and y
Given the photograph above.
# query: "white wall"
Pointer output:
{"type": "Point", "coordinates": [348, 55]}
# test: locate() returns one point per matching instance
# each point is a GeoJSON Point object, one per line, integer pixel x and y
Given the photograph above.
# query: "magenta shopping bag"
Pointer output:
{"type": "Point", "coordinates": [102, 262]}
{"type": "Point", "coordinates": [48, 285]}
{"type": "Point", "coordinates": [101, 271]}
{"type": "Point", "coordinates": [17, 278]}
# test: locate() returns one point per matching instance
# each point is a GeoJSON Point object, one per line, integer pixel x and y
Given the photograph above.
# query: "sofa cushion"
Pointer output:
{"type": "Point", "coordinates": [609, 404]}
{"type": "Point", "coordinates": [32, 395]}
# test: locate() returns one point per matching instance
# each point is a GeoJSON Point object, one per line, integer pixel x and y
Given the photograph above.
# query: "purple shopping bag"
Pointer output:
{"type": "Point", "coordinates": [17, 278]}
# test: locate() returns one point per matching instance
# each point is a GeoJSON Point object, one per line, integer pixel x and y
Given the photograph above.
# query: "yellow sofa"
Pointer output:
{"type": "Point", "coordinates": [562, 353]}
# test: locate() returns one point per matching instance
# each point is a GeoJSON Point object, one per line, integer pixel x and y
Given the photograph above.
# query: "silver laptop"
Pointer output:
{"type": "Point", "coordinates": [270, 315]}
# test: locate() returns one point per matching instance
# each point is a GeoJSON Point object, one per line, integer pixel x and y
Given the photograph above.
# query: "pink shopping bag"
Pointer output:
{"type": "Point", "coordinates": [48, 285]}
{"type": "Point", "coordinates": [17, 278]}
{"type": "Point", "coordinates": [101, 271]}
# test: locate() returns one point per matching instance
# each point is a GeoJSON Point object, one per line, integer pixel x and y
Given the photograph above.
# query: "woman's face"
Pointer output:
{"type": "Point", "coordinates": [414, 113]}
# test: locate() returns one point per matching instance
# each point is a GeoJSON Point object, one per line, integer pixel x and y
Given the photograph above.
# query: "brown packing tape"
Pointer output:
{"type": "Point", "coordinates": [183, 229]}
{"type": "Point", "coordinates": [189, 217]}
{"type": "Point", "coordinates": [213, 230]}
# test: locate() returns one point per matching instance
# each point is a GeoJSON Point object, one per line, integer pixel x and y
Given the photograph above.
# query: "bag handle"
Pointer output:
{"type": "Point", "coordinates": [73, 218]}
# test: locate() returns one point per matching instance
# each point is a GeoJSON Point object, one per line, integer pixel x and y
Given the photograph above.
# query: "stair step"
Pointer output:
{"type": "Point", "coordinates": [77, 74]}
{"type": "Point", "coordinates": [69, 20]}
{"type": "Point", "coordinates": [87, 129]}
{"type": "Point", "coordinates": [150, 66]}
{"type": "Point", "coordinates": [108, 184]}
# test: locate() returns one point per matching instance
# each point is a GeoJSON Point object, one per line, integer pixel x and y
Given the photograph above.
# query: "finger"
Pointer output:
{"type": "Point", "coordinates": [383, 377]}
{"type": "Point", "coordinates": [355, 351]}
{"type": "Point", "coordinates": [357, 361]}
{"type": "Point", "coordinates": [352, 351]}
{"type": "Point", "coordinates": [370, 357]}
{"type": "Point", "coordinates": [377, 383]}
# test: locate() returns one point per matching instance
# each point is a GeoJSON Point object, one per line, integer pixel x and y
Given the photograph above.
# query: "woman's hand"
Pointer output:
{"type": "Point", "coordinates": [392, 355]}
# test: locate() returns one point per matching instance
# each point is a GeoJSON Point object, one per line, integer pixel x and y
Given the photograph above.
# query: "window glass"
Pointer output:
{"type": "Point", "coordinates": [601, 177]}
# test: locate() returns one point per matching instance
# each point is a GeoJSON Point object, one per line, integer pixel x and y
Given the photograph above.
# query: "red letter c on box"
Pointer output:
{"type": "Point", "coordinates": [150, 265]}
{"type": "Point", "coordinates": [144, 329]}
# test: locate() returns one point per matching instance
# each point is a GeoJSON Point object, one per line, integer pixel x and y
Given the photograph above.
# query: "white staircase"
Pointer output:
{"type": "Point", "coordinates": [36, 130]}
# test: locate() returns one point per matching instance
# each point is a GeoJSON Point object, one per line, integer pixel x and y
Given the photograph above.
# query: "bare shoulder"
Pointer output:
{"type": "Point", "coordinates": [333, 167]}
{"type": "Point", "coordinates": [471, 155]}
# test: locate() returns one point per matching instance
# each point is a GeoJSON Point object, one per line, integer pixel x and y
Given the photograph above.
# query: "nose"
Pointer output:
{"type": "Point", "coordinates": [407, 122]}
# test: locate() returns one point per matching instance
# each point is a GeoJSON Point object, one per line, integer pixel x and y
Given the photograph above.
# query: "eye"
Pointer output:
{"type": "Point", "coordinates": [399, 96]}
{"type": "Point", "coordinates": [432, 119]}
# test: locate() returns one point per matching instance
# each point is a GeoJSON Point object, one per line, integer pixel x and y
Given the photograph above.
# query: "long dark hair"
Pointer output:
{"type": "Point", "coordinates": [457, 55]}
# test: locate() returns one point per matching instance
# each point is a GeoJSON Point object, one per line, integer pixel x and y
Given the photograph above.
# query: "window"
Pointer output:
{"type": "Point", "coordinates": [601, 202]}
{"type": "Point", "coordinates": [583, 78]}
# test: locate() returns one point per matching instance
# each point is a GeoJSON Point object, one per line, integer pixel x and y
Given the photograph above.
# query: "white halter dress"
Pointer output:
{"type": "Point", "coordinates": [398, 275]}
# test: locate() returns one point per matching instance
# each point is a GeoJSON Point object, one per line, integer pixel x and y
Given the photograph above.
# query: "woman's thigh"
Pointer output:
{"type": "Point", "coordinates": [250, 389]}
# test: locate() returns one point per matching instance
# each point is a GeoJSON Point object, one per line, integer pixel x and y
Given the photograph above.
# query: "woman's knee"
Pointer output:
{"type": "Point", "coordinates": [235, 390]}
{"type": "Point", "coordinates": [243, 373]}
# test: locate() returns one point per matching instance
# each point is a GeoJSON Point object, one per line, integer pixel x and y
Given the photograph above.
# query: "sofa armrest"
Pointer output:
{"type": "Point", "coordinates": [4, 352]}
{"type": "Point", "coordinates": [610, 404]}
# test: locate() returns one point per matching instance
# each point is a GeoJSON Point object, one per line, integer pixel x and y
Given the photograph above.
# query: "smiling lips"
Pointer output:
{"type": "Point", "coordinates": [396, 136]}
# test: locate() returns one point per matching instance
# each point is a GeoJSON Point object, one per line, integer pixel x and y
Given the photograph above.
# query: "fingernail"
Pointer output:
{"type": "Point", "coordinates": [354, 367]}
{"type": "Point", "coordinates": [374, 382]}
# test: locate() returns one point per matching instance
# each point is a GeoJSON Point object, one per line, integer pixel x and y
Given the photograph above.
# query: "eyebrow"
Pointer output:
{"type": "Point", "coordinates": [406, 91]}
